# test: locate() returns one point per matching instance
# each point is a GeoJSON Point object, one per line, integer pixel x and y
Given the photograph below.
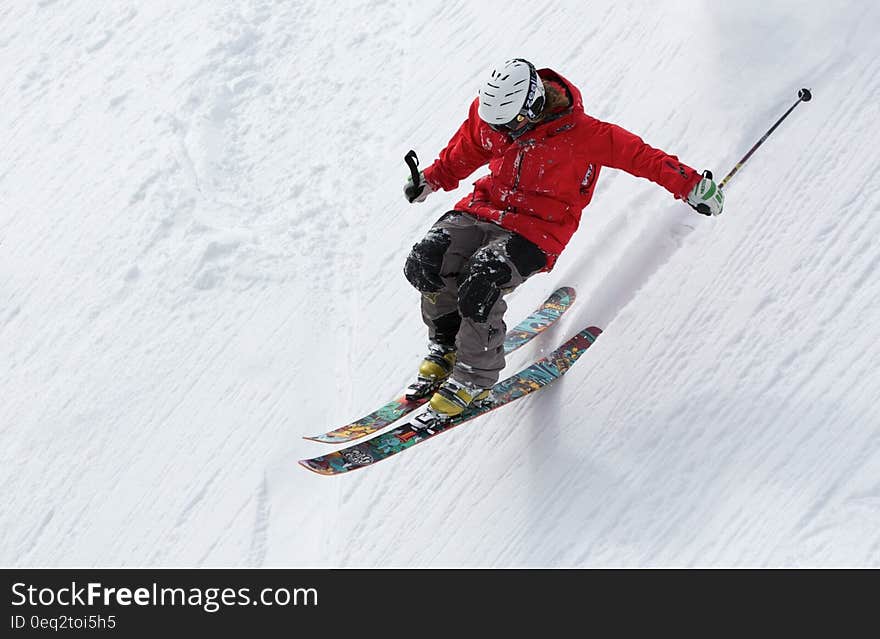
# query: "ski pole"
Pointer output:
{"type": "Point", "coordinates": [804, 95]}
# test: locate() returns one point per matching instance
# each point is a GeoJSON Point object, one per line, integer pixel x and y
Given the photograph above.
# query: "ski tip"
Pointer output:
{"type": "Point", "coordinates": [565, 291]}
{"type": "Point", "coordinates": [590, 334]}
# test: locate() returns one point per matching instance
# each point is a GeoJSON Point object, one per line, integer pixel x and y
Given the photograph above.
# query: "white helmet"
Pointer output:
{"type": "Point", "coordinates": [513, 89]}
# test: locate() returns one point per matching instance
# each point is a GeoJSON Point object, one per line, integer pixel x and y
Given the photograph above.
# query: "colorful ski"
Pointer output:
{"type": "Point", "coordinates": [528, 380]}
{"type": "Point", "coordinates": [540, 320]}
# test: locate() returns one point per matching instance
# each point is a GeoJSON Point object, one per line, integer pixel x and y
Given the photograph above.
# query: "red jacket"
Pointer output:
{"type": "Point", "coordinates": [540, 183]}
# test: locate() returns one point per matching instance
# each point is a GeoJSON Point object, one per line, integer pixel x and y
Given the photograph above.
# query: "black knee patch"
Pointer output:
{"type": "Point", "coordinates": [476, 297]}
{"type": "Point", "coordinates": [525, 255]}
{"type": "Point", "coordinates": [422, 267]}
{"type": "Point", "coordinates": [481, 287]}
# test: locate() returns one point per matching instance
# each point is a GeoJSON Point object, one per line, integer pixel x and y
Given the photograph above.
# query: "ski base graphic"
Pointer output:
{"type": "Point", "coordinates": [525, 382]}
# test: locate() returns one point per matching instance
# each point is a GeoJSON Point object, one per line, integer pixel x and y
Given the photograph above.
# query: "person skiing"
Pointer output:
{"type": "Point", "coordinates": [544, 155]}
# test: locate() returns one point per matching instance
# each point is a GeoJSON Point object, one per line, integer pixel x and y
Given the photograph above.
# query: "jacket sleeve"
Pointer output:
{"type": "Point", "coordinates": [616, 147]}
{"type": "Point", "coordinates": [462, 156]}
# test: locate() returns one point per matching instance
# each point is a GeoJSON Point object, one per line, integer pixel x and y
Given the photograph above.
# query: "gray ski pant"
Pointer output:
{"type": "Point", "coordinates": [463, 267]}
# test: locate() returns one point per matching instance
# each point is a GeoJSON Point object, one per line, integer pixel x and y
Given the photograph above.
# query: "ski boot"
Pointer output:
{"type": "Point", "coordinates": [450, 401]}
{"type": "Point", "coordinates": [434, 370]}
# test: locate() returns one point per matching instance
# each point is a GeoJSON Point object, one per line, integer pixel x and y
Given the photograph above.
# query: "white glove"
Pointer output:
{"type": "Point", "coordinates": [706, 198]}
{"type": "Point", "coordinates": [418, 192]}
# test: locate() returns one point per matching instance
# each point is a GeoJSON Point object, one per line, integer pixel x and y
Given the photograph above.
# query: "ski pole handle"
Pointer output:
{"type": "Point", "coordinates": [804, 95]}
{"type": "Point", "coordinates": [412, 161]}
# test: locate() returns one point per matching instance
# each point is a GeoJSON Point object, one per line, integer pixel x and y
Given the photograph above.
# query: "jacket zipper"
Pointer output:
{"type": "Point", "coordinates": [517, 167]}
{"type": "Point", "coordinates": [517, 163]}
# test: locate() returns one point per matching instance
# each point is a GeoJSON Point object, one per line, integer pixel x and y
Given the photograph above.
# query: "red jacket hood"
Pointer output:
{"type": "Point", "coordinates": [577, 100]}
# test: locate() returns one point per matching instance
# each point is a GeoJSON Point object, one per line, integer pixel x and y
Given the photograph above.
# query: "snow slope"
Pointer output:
{"type": "Point", "coordinates": [202, 234]}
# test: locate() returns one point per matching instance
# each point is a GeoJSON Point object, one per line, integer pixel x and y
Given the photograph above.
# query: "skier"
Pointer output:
{"type": "Point", "coordinates": [545, 155]}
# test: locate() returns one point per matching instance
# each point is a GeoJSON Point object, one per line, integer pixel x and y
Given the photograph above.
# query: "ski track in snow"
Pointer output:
{"type": "Point", "coordinates": [202, 235]}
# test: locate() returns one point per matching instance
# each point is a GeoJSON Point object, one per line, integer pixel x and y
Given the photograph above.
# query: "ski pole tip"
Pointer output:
{"type": "Point", "coordinates": [805, 95]}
